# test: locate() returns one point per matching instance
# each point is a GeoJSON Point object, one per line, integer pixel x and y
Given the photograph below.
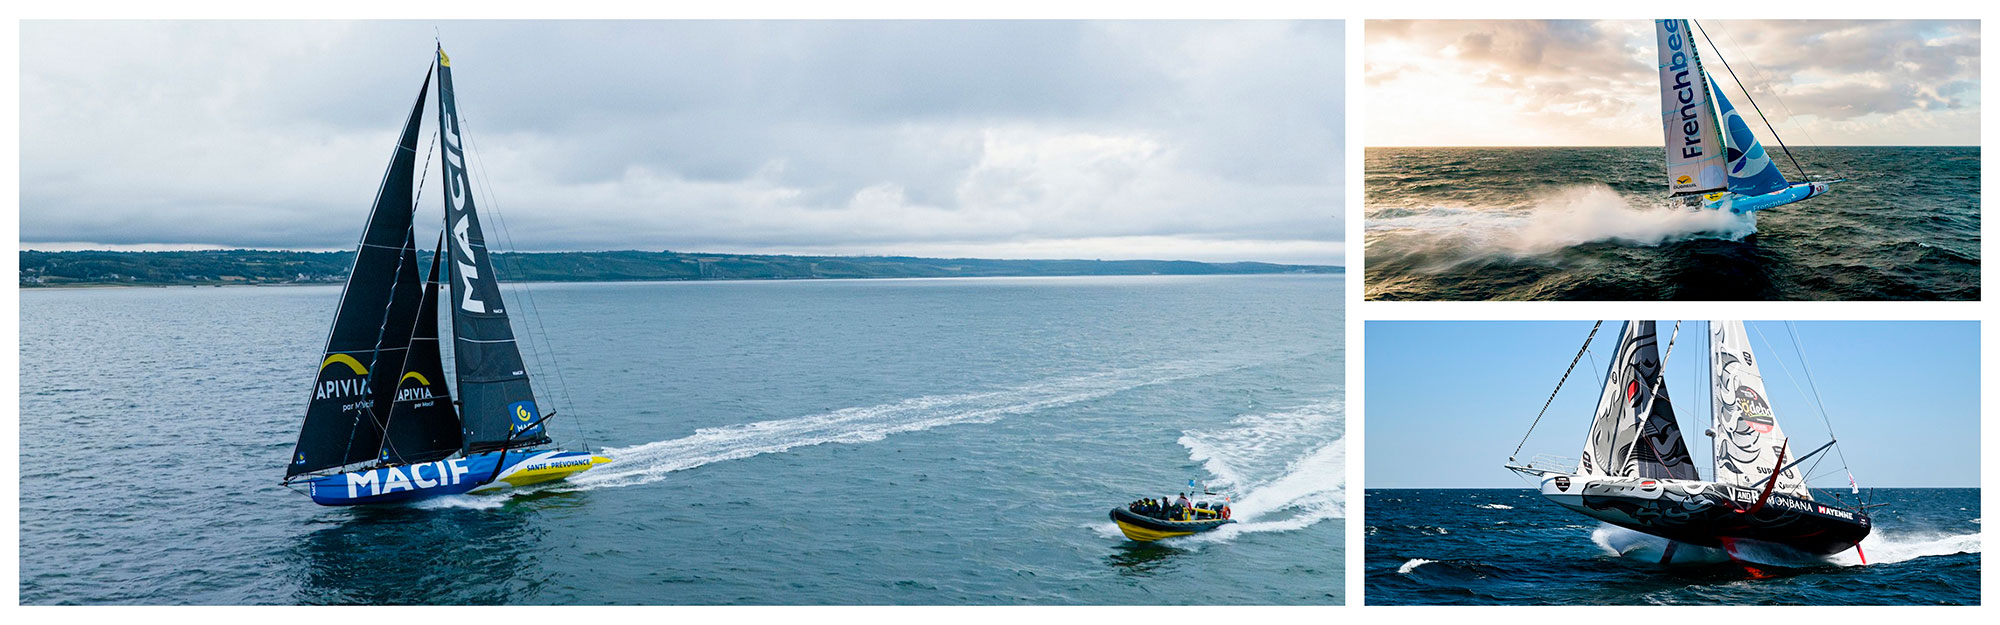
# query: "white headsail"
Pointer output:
{"type": "Point", "coordinates": [1695, 153]}
{"type": "Point", "coordinates": [1634, 434]}
{"type": "Point", "coordinates": [1747, 436]}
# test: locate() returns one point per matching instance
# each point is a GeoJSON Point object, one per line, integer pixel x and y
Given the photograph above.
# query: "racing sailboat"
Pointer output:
{"type": "Point", "coordinates": [1636, 472]}
{"type": "Point", "coordinates": [1714, 161]}
{"type": "Point", "coordinates": [382, 425]}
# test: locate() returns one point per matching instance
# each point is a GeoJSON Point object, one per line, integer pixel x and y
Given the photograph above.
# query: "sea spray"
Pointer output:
{"type": "Point", "coordinates": [1880, 547]}
{"type": "Point", "coordinates": [1287, 469]}
{"type": "Point", "coordinates": [651, 462]}
{"type": "Point", "coordinates": [1443, 237]}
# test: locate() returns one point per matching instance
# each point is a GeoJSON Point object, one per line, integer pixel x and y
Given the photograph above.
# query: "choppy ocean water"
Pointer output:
{"type": "Point", "coordinates": [1512, 547]}
{"type": "Point", "coordinates": [802, 442]}
{"type": "Point", "coordinates": [1594, 224]}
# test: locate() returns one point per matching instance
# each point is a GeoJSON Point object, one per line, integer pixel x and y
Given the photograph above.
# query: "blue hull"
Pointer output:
{"type": "Point", "coordinates": [1740, 204]}
{"type": "Point", "coordinates": [451, 476]}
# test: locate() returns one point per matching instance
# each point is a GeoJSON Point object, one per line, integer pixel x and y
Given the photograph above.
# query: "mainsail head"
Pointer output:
{"type": "Point", "coordinates": [497, 403]}
{"type": "Point", "coordinates": [1695, 153]}
{"type": "Point", "coordinates": [1635, 434]}
{"type": "Point", "coordinates": [1748, 441]}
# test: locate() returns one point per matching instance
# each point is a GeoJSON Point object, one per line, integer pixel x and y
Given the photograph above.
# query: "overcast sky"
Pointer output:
{"type": "Point", "coordinates": [1822, 82]}
{"type": "Point", "coordinates": [1186, 140]}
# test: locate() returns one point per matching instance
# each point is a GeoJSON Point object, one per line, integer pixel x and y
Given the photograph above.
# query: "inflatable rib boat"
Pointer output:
{"type": "Point", "coordinates": [1143, 528]}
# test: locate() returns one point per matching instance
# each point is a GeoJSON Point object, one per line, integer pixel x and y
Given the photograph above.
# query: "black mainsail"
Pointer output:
{"type": "Point", "coordinates": [421, 424]}
{"type": "Point", "coordinates": [1635, 434]}
{"type": "Point", "coordinates": [341, 426]}
{"type": "Point", "coordinates": [496, 400]}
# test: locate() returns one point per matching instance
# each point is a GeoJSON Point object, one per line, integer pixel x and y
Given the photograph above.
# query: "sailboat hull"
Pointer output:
{"type": "Point", "coordinates": [478, 473]}
{"type": "Point", "coordinates": [1739, 204]}
{"type": "Point", "coordinates": [1708, 514]}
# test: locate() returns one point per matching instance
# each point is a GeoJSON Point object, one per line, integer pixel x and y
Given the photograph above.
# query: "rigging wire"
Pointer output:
{"type": "Point", "coordinates": [1819, 404]}
{"type": "Point", "coordinates": [1559, 384]}
{"type": "Point", "coordinates": [1753, 101]}
{"type": "Point", "coordinates": [1764, 77]}
{"type": "Point", "coordinates": [423, 175]}
{"type": "Point", "coordinates": [524, 294]}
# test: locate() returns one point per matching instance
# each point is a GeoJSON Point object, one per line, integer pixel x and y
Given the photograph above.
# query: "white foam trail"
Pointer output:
{"type": "Point", "coordinates": [1568, 216]}
{"type": "Point", "coordinates": [1881, 548]}
{"type": "Point", "coordinates": [1496, 506]}
{"type": "Point", "coordinates": [475, 502]}
{"type": "Point", "coordinates": [1278, 487]}
{"type": "Point", "coordinates": [1886, 548]}
{"type": "Point", "coordinates": [651, 462]}
{"type": "Point", "coordinates": [1412, 565]}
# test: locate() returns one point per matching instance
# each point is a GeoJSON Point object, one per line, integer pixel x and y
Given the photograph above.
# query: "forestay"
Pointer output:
{"type": "Point", "coordinates": [341, 426]}
{"type": "Point", "coordinates": [496, 398]}
{"type": "Point", "coordinates": [1748, 441]}
{"type": "Point", "coordinates": [1635, 434]}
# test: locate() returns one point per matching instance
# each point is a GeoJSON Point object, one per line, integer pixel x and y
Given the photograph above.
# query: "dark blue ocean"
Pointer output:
{"type": "Point", "coordinates": [1513, 547]}
{"type": "Point", "coordinates": [1594, 224]}
{"type": "Point", "coordinates": [780, 442]}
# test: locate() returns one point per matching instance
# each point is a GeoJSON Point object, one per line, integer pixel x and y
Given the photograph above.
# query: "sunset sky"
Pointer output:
{"type": "Point", "coordinates": [1570, 83]}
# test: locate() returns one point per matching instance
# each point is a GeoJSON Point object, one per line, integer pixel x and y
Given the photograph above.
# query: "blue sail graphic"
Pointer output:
{"type": "Point", "coordinates": [1751, 171]}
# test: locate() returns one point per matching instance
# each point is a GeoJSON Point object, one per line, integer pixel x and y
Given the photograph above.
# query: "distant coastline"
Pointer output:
{"type": "Point", "coordinates": [265, 267]}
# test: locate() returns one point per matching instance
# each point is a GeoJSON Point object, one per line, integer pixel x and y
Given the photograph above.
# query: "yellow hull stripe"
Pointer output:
{"type": "Point", "coordinates": [550, 474]}
{"type": "Point", "coordinates": [1146, 535]}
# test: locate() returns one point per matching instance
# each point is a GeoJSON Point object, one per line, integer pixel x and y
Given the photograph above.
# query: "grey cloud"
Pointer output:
{"type": "Point", "coordinates": [688, 134]}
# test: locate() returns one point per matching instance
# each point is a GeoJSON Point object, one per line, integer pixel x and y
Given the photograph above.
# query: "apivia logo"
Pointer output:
{"type": "Point", "coordinates": [348, 387]}
{"type": "Point", "coordinates": [1684, 89]}
{"type": "Point", "coordinates": [421, 391]}
{"type": "Point", "coordinates": [392, 479]}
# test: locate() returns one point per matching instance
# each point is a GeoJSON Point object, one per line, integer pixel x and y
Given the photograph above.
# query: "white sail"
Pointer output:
{"type": "Point", "coordinates": [1695, 153]}
{"type": "Point", "coordinates": [1635, 434]}
{"type": "Point", "coordinates": [1747, 436]}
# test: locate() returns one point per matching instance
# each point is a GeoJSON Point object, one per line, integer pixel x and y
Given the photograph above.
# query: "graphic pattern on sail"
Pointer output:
{"type": "Point", "coordinates": [1695, 153]}
{"type": "Point", "coordinates": [340, 428]}
{"type": "Point", "coordinates": [422, 426]}
{"type": "Point", "coordinates": [1747, 436]}
{"type": "Point", "coordinates": [495, 397]}
{"type": "Point", "coordinates": [1635, 434]}
{"type": "Point", "coordinates": [1751, 171]}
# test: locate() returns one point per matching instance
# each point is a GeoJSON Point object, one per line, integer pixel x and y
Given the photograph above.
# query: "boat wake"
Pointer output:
{"type": "Point", "coordinates": [1881, 548]}
{"type": "Point", "coordinates": [1287, 469]}
{"type": "Point", "coordinates": [651, 462]}
{"type": "Point", "coordinates": [1570, 216]}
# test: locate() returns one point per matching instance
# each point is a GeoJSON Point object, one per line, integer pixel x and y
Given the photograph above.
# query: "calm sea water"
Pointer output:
{"type": "Point", "coordinates": [1593, 224]}
{"type": "Point", "coordinates": [801, 442]}
{"type": "Point", "coordinates": [1511, 546]}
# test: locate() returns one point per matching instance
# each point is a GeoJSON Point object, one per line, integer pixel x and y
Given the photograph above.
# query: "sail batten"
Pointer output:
{"type": "Point", "coordinates": [339, 427]}
{"type": "Point", "coordinates": [496, 397]}
{"type": "Point", "coordinates": [1749, 443]}
{"type": "Point", "coordinates": [1634, 433]}
{"type": "Point", "coordinates": [1694, 147]}
{"type": "Point", "coordinates": [421, 425]}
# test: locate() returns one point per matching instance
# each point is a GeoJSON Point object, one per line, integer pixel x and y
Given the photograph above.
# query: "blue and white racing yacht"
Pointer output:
{"type": "Point", "coordinates": [381, 425]}
{"type": "Point", "coordinates": [1714, 161]}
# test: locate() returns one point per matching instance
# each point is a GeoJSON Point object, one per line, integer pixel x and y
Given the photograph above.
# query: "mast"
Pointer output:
{"type": "Point", "coordinates": [1749, 443]}
{"type": "Point", "coordinates": [340, 427]}
{"type": "Point", "coordinates": [1634, 433]}
{"type": "Point", "coordinates": [1694, 148]}
{"type": "Point", "coordinates": [421, 425]}
{"type": "Point", "coordinates": [497, 403]}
